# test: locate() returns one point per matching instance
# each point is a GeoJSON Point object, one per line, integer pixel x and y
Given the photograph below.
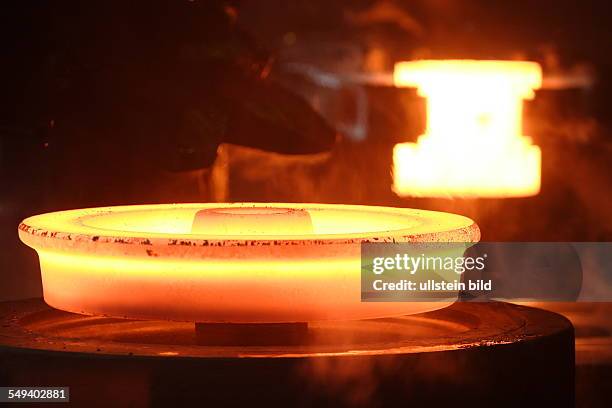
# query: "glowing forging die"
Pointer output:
{"type": "Point", "coordinates": [238, 263]}
{"type": "Point", "coordinates": [473, 144]}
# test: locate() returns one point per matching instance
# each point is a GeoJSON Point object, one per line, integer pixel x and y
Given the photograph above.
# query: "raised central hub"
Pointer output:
{"type": "Point", "coordinates": [252, 221]}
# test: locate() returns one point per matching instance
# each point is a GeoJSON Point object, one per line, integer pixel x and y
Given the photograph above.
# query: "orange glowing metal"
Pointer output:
{"type": "Point", "coordinates": [225, 262]}
{"type": "Point", "coordinates": [473, 144]}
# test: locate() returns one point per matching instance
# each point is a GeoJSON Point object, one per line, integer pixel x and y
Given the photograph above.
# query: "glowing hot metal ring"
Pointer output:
{"type": "Point", "coordinates": [225, 262]}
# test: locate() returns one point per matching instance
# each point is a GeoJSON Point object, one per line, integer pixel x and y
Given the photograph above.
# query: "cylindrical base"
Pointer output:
{"type": "Point", "coordinates": [251, 334]}
{"type": "Point", "coordinates": [488, 354]}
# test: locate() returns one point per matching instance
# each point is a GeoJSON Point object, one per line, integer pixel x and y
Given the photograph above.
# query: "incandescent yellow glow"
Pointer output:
{"type": "Point", "coordinates": [473, 144]}
{"type": "Point", "coordinates": [252, 221]}
{"type": "Point", "coordinates": [226, 262]}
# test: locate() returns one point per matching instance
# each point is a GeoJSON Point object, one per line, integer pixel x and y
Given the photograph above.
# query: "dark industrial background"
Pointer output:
{"type": "Point", "coordinates": [126, 102]}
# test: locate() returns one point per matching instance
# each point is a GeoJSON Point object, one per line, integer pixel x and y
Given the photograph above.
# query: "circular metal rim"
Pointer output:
{"type": "Point", "coordinates": [36, 231]}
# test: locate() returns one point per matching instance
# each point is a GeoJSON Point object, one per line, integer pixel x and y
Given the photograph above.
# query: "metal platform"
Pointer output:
{"type": "Point", "coordinates": [466, 354]}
